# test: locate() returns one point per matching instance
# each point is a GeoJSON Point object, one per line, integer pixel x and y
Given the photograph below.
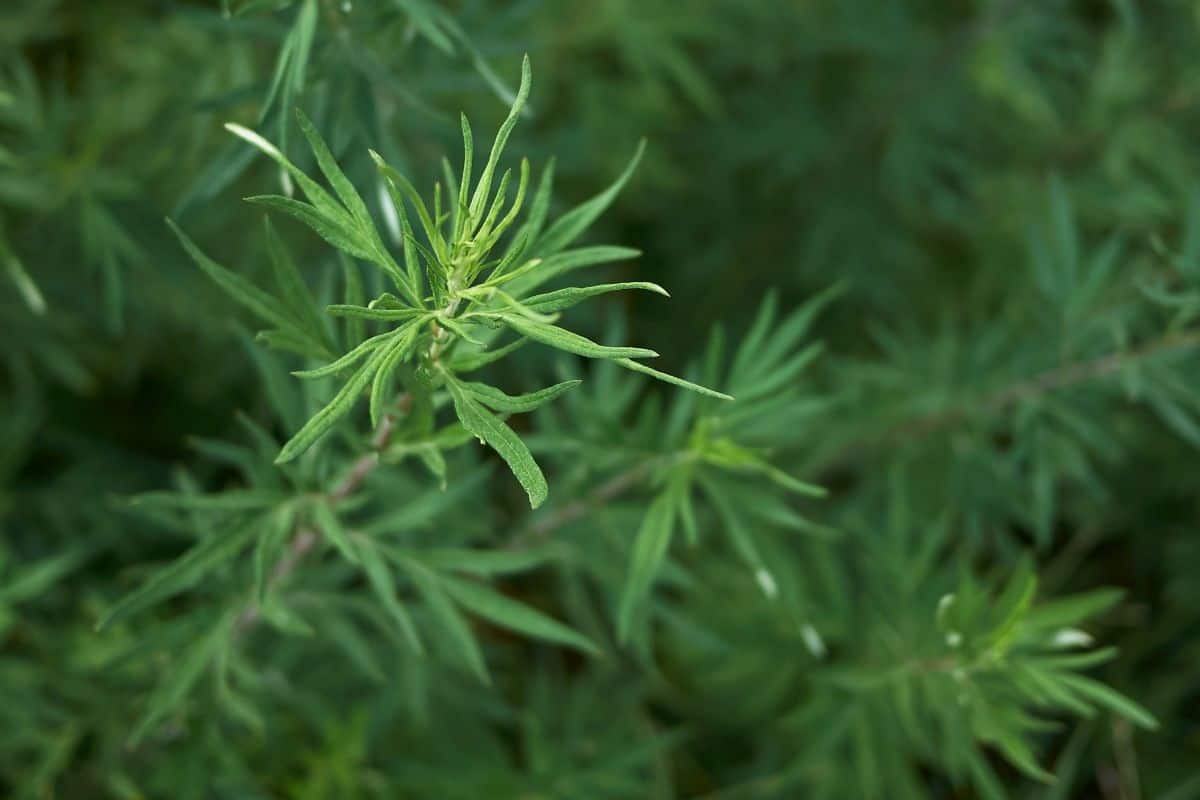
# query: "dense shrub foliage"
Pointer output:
{"type": "Point", "coordinates": [372, 487]}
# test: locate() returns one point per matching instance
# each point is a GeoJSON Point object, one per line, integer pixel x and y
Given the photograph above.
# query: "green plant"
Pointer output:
{"type": "Point", "coordinates": [937, 264]}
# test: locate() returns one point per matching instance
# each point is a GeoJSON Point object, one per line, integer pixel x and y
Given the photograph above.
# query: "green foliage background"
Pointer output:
{"type": "Point", "coordinates": [945, 256]}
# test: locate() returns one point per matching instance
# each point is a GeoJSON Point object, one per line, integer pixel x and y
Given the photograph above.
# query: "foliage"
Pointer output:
{"type": "Point", "coordinates": [906, 513]}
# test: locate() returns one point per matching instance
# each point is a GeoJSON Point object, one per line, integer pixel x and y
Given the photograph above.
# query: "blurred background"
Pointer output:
{"type": "Point", "coordinates": [1006, 190]}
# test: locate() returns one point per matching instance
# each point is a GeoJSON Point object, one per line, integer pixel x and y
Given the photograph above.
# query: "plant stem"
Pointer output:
{"type": "Point", "coordinates": [305, 538]}
{"type": "Point", "coordinates": [1050, 380]}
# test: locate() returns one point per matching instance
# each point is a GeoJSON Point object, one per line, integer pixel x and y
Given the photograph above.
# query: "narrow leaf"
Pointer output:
{"type": "Point", "coordinates": [565, 298]}
{"type": "Point", "coordinates": [508, 613]}
{"type": "Point", "coordinates": [570, 342]}
{"type": "Point", "coordinates": [637, 366]}
{"type": "Point", "coordinates": [499, 401]}
{"type": "Point", "coordinates": [382, 584]}
{"type": "Point", "coordinates": [569, 226]}
{"type": "Point", "coordinates": [327, 417]}
{"type": "Point", "coordinates": [646, 558]}
{"type": "Point", "coordinates": [480, 422]}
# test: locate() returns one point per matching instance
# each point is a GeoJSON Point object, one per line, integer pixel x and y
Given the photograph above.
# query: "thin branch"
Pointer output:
{"type": "Point", "coordinates": [1051, 380]}
{"type": "Point", "coordinates": [1046, 382]}
{"type": "Point", "coordinates": [305, 538]}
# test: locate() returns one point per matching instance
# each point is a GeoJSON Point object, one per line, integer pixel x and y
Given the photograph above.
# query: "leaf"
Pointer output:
{"type": "Point", "coordinates": [327, 522]}
{"type": "Point", "coordinates": [352, 357]}
{"type": "Point", "coordinates": [637, 366]}
{"type": "Point", "coordinates": [320, 199]}
{"type": "Point", "coordinates": [293, 59]}
{"type": "Point", "coordinates": [34, 579]}
{"type": "Point", "coordinates": [1013, 603]}
{"type": "Point", "coordinates": [428, 18]}
{"type": "Point", "coordinates": [333, 173]}
{"type": "Point", "coordinates": [182, 675]}
{"type": "Point", "coordinates": [338, 407]}
{"type": "Point", "coordinates": [395, 352]}
{"type": "Point", "coordinates": [1063, 233]}
{"type": "Point", "coordinates": [568, 341]}
{"type": "Point", "coordinates": [374, 314]}
{"type": "Point", "coordinates": [540, 207]}
{"type": "Point", "coordinates": [569, 226]}
{"type": "Point", "coordinates": [238, 288]}
{"type": "Point", "coordinates": [332, 230]}
{"type": "Point", "coordinates": [535, 272]}
{"type": "Point", "coordinates": [646, 558]}
{"type": "Point", "coordinates": [460, 208]}
{"type": "Point", "coordinates": [738, 533]}
{"type": "Point", "coordinates": [382, 584]}
{"type": "Point", "coordinates": [509, 613]}
{"type": "Point", "coordinates": [448, 618]}
{"type": "Point", "coordinates": [473, 361]}
{"type": "Point", "coordinates": [29, 290]}
{"type": "Point", "coordinates": [480, 422]}
{"type": "Point", "coordinates": [413, 283]}
{"type": "Point", "coordinates": [565, 298]}
{"type": "Point", "coordinates": [499, 401]}
{"type": "Point", "coordinates": [484, 562]}
{"type": "Point", "coordinates": [1109, 698]}
{"type": "Point", "coordinates": [231, 500]}
{"type": "Point", "coordinates": [183, 573]}
{"type": "Point", "coordinates": [397, 183]}
{"type": "Point", "coordinates": [267, 548]}
{"type": "Point", "coordinates": [1068, 611]}
{"type": "Point", "coordinates": [483, 188]}
{"type": "Point", "coordinates": [292, 287]}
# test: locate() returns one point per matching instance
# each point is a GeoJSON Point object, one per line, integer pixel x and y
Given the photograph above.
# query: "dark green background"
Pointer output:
{"type": "Point", "coordinates": [905, 148]}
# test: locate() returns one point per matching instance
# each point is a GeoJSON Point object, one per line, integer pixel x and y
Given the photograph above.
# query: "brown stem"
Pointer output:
{"type": "Point", "coordinates": [1050, 380]}
{"type": "Point", "coordinates": [305, 538]}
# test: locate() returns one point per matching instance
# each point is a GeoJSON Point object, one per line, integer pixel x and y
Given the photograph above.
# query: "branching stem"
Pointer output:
{"type": "Point", "coordinates": [305, 538]}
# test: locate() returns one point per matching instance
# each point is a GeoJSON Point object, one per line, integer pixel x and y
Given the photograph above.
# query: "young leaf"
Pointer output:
{"type": "Point", "coordinates": [484, 561]}
{"type": "Point", "coordinates": [479, 198]}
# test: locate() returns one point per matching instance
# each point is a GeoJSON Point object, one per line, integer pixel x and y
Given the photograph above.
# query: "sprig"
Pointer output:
{"type": "Point", "coordinates": [469, 280]}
